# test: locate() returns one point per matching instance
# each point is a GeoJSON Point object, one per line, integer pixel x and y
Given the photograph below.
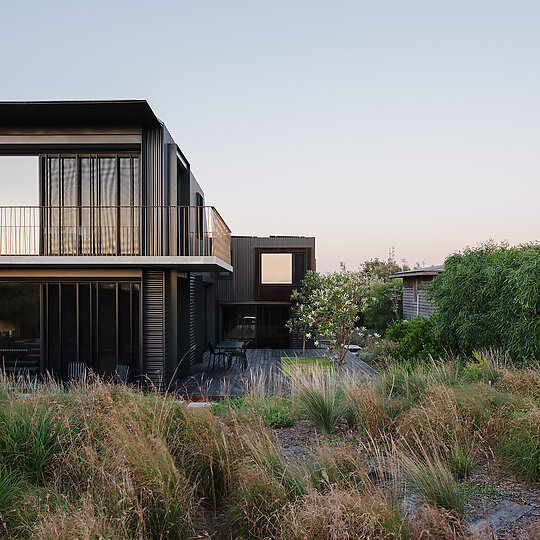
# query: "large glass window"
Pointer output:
{"type": "Point", "coordinates": [276, 269]}
{"type": "Point", "coordinates": [240, 322]}
{"type": "Point", "coordinates": [97, 196]}
{"type": "Point", "coordinates": [20, 327]}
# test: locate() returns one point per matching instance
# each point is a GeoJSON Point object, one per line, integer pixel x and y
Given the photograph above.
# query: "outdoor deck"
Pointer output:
{"type": "Point", "coordinates": [264, 367]}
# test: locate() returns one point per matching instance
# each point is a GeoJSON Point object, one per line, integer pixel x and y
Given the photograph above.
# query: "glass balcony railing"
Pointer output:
{"type": "Point", "coordinates": [114, 230]}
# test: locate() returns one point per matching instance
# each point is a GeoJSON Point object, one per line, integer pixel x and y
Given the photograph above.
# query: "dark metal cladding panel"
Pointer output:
{"type": "Point", "coordinates": [200, 319]}
{"type": "Point", "coordinates": [167, 364]}
{"type": "Point", "coordinates": [240, 287]}
{"type": "Point", "coordinates": [192, 319]}
{"type": "Point", "coordinates": [154, 332]}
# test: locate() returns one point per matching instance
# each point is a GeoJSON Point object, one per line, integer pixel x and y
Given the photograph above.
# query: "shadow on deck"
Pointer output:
{"type": "Point", "coordinates": [264, 368]}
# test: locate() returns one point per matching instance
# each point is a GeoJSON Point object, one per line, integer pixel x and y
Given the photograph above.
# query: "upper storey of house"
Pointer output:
{"type": "Point", "coordinates": [114, 188]}
{"type": "Point", "coordinates": [266, 269]}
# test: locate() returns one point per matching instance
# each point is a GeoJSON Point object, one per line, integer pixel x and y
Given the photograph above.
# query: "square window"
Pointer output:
{"type": "Point", "coordinates": [276, 269]}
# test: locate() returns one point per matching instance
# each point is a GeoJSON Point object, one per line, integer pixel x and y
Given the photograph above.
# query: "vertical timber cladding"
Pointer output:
{"type": "Point", "coordinates": [156, 286]}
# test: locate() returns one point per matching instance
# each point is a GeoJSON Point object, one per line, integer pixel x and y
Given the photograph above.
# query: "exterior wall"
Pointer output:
{"type": "Point", "coordinates": [241, 286]}
{"type": "Point", "coordinates": [268, 302]}
{"type": "Point", "coordinates": [414, 297]}
{"type": "Point", "coordinates": [177, 313]}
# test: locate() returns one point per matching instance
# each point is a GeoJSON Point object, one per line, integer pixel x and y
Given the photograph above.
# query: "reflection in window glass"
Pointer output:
{"type": "Point", "coordinates": [240, 322]}
{"type": "Point", "coordinates": [276, 268]}
{"type": "Point", "coordinates": [19, 327]}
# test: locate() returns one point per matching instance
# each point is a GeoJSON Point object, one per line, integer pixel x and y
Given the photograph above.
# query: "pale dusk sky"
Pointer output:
{"type": "Point", "coordinates": [366, 124]}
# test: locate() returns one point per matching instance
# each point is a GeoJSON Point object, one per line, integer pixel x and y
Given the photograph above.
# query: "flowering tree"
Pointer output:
{"type": "Point", "coordinates": [303, 319]}
{"type": "Point", "coordinates": [336, 305]}
{"type": "Point", "coordinates": [331, 304]}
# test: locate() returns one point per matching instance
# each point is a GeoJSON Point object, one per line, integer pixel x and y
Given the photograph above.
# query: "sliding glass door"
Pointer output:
{"type": "Point", "coordinates": [94, 323]}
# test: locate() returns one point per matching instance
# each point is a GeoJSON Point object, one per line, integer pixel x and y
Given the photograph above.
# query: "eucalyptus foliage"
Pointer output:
{"type": "Point", "coordinates": [490, 297]}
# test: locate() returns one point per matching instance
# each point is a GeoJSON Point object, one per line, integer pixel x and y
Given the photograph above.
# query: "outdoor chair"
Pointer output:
{"type": "Point", "coordinates": [242, 355]}
{"type": "Point", "coordinates": [213, 354]}
{"type": "Point", "coordinates": [121, 373]}
{"type": "Point", "coordinates": [76, 371]}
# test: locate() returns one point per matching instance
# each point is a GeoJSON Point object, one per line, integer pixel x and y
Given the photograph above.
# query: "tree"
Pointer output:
{"type": "Point", "coordinates": [384, 305]}
{"type": "Point", "coordinates": [335, 305]}
{"type": "Point", "coordinates": [381, 270]}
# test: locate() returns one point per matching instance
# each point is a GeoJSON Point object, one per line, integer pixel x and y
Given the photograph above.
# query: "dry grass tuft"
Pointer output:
{"type": "Point", "coordinates": [367, 407]}
{"type": "Point", "coordinates": [524, 382]}
{"type": "Point", "coordinates": [431, 523]}
{"type": "Point", "coordinates": [340, 514]}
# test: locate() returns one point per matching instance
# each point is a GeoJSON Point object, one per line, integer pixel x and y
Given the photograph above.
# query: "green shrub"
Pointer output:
{"type": "Point", "coordinates": [385, 349]}
{"type": "Point", "coordinates": [485, 369]}
{"type": "Point", "coordinates": [275, 411]}
{"type": "Point", "coordinates": [384, 305]}
{"type": "Point", "coordinates": [228, 404]}
{"type": "Point", "coordinates": [279, 418]}
{"type": "Point", "coordinates": [365, 356]}
{"type": "Point", "coordinates": [489, 297]}
{"type": "Point", "coordinates": [415, 339]}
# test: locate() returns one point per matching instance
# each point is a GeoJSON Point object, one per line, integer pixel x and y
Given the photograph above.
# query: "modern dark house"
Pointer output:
{"type": "Point", "coordinates": [109, 269]}
{"type": "Point", "coordinates": [414, 290]}
{"type": "Point", "coordinates": [254, 301]}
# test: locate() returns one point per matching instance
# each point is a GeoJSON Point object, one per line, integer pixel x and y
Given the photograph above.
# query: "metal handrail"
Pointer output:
{"type": "Point", "coordinates": [151, 230]}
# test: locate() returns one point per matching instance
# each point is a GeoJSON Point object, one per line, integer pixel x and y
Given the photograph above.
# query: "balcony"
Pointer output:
{"type": "Point", "coordinates": [138, 233]}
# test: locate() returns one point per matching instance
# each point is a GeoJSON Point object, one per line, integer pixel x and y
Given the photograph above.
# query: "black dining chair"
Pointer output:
{"type": "Point", "coordinates": [213, 354]}
{"type": "Point", "coordinates": [241, 354]}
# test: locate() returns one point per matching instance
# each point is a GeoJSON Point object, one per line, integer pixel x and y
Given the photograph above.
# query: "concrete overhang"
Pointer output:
{"type": "Point", "coordinates": [184, 263]}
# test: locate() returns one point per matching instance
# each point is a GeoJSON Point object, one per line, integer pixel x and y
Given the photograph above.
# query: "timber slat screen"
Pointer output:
{"type": "Point", "coordinates": [114, 230]}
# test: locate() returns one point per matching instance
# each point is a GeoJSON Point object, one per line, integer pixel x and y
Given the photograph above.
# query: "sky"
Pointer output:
{"type": "Point", "coordinates": [371, 125]}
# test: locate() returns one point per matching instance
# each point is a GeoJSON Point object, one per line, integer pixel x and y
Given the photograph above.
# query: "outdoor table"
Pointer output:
{"type": "Point", "coordinates": [229, 346]}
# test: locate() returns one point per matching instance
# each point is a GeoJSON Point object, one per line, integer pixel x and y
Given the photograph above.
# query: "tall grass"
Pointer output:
{"type": "Point", "coordinates": [30, 437]}
{"type": "Point", "coordinates": [520, 450]}
{"type": "Point", "coordinates": [11, 484]}
{"type": "Point", "coordinates": [431, 478]}
{"type": "Point", "coordinates": [321, 400]}
{"type": "Point", "coordinates": [97, 460]}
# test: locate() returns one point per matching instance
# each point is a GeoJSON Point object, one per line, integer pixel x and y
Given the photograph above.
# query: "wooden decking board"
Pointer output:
{"type": "Point", "coordinates": [264, 366]}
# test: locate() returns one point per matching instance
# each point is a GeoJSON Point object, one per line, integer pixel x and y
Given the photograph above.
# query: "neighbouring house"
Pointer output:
{"type": "Point", "coordinates": [254, 301]}
{"type": "Point", "coordinates": [114, 267]}
{"type": "Point", "coordinates": [414, 290]}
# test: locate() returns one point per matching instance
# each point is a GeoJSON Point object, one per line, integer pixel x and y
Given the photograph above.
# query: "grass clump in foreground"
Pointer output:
{"type": "Point", "coordinates": [99, 460]}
